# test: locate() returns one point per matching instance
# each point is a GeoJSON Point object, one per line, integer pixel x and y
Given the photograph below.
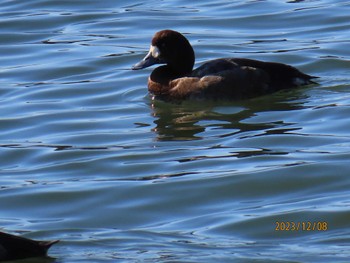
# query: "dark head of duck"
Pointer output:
{"type": "Point", "coordinates": [172, 49]}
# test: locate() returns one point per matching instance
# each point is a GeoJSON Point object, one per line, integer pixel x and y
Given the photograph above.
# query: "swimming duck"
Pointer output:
{"type": "Point", "coordinates": [224, 78]}
{"type": "Point", "coordinates": [14, 247]}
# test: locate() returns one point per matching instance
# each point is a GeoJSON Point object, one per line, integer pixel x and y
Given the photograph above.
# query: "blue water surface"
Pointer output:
{"type": "Point", "coordinates": [88, 158]}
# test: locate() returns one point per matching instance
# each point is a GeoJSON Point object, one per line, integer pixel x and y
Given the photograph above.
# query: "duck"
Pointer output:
{"type": "Point", "coordinates": [223, 78]}
{"type": "Point", "coordinates": [14, 247]}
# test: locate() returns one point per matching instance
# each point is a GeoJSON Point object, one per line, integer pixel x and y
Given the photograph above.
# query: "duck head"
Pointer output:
{"type": "Point", "coordinates": [171, 48]}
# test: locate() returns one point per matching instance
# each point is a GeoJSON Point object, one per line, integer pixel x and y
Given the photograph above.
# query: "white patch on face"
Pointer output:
{"type": "Point", "coordinates": [154, 50]}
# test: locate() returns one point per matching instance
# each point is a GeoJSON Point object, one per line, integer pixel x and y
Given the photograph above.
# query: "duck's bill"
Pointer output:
{"type": "Point", "coordinates": [149, 60]}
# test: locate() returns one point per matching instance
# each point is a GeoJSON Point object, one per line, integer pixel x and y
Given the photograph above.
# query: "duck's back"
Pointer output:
{"type": "Point", "coordinates": [226, 79]}
{"type": "Point", "coordinates": [282, 76]}
{"type": "Point", "coordinates": [237, 78]}
{"type": "Point", "coordinates": [278, 76]}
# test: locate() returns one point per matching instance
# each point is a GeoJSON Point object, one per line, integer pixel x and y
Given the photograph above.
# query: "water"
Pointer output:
{"type": "Point", "coordinates": [88, 158]}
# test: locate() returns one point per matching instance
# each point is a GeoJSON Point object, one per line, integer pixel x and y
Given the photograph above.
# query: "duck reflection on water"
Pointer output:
{"type": "Point", "coordinates": [193, 120]}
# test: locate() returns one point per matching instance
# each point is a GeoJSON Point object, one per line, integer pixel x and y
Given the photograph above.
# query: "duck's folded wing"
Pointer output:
{"type": "Point", "coordinates": [234, 82]}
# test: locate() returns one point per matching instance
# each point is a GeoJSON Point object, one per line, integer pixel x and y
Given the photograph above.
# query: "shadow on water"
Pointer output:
{"type": "Point", "coordinates": [189, 120]}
